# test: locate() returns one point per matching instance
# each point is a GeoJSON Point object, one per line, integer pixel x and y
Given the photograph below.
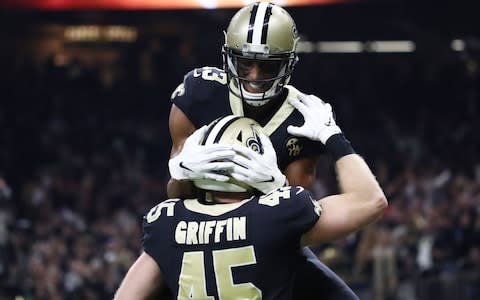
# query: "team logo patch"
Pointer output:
{"type": "Point", "coordinates": [293, 147]}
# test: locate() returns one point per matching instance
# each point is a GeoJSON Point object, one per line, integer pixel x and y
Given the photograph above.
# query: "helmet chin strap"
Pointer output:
{"type": "Point", "coordinates": [256, 103]}
{"type": "Point", "coordinates": [254, 99]}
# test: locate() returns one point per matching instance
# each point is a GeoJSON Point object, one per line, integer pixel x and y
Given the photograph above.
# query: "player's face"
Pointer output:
{"type": "Point", "coordinates": [257, 74]}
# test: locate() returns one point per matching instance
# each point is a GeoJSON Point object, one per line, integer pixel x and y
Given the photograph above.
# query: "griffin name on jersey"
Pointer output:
{"type": "Point", "coordinates": [213, 231]}
{"type": "Point", "coordinates": [204, 96]}
{"type": "Point", "coordinates": [255, 242]}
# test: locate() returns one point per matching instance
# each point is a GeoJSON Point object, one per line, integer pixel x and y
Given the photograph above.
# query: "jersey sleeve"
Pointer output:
{"type": "Point", "coordinates": [150, 239]}
{"type": "Point", "coordinates": [202, 96]}
{"type": "Point", "coordinates": [293, 208]}
{"type": "Point", "coordinates": [183, 96]}
{"type": "Point", "coordinates": [304, 209]}
{"type": "Point", "coordinates": [157, 228]}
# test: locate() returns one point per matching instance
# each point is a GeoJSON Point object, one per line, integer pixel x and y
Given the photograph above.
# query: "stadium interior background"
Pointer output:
{"type": "Point", "coordinates": [84, 104]}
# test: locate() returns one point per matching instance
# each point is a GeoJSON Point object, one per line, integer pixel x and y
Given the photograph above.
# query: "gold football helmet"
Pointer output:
{"type": "Point", "coordinates": [231, 130]}
{"type": "Point", "coordinates": [265, 33]}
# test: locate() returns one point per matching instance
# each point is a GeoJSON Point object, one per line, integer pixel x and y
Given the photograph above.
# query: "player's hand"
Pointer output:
{"type": "Point", "coordinates": [197, 161]}
{"type": "Point", "coordinates": [319, 121]}
{"type": "Point", "coordinates": [258, 170]}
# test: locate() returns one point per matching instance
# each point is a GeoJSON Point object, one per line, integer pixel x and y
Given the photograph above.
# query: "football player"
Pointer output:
{"type": "Point", "coordinates": [259, 55]}
{"type": "Point", "coordinates": [234, 242]}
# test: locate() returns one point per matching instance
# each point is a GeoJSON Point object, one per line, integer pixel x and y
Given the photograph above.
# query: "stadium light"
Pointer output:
{"type": "Point", "coordinates": [457, 45]}
{"type": "Point", "coordinates": [391, 46]}
{"type": "Point", "coordinates": [356, 46]}
{"type": "Point", "coordinates": [340, 47]}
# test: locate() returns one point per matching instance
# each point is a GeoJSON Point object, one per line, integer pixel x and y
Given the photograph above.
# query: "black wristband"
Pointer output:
{"type": "Point", "coordinates": [338, 146]}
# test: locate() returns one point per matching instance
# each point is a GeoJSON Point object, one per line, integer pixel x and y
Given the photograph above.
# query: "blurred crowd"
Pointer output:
{"type": "Point", "coordinates": [84, 154]}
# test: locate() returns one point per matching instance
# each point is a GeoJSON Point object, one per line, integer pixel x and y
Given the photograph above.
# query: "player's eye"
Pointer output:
{"type": "Point", "coordinates": [268, 68]}
{"type": "Point", "coordinates": [244, 66]}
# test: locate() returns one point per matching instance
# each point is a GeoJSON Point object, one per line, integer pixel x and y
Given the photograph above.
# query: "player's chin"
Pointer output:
{"type": "Point", "coordinates": [256, 88]}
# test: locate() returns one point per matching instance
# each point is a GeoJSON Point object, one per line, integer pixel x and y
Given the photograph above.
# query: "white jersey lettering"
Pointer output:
{"type": "Point", "coordinates": [205, 232]}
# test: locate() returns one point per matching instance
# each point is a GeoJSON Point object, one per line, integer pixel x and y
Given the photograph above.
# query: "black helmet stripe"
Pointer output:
{"type": "Point", "coordinates": [258, 24]}
{"type": "Point", "coordinates": [268, 13]}
{"type": "Point", "coordinates": [224, 127]}
{"type": "Point", "coordinates": [251, 22]}
{"type": "Point", "coordinates": [204, 140]}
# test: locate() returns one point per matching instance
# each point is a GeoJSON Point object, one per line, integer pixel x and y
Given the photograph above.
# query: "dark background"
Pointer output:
{"type": "Point", "coordinates": [84, 141]}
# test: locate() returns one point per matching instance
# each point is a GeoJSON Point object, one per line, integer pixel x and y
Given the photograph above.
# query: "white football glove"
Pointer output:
{"type": "Point", "coordinates": [319, 121]}
{"type": "Point", "coordinates": [258, 170]}
{"type": "Point", "coordinates": [197, 161]}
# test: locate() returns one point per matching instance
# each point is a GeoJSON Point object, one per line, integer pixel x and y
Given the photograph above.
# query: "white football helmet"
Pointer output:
{"type": "Point", "coordinates": [266, 33]}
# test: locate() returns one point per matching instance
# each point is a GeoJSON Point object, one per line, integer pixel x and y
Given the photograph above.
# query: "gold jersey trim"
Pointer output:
{"type": "Point", "coordinates": [212, 210]}
{"type": "Point", "coordinates": [285, 110]}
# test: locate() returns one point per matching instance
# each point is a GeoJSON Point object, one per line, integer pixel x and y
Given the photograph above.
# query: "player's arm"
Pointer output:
{"type": "Point", "coordinates": [141, 281]}
{"type": "Point", "coordinates": [180, 129]}
{"type": "Point", "coordinates": [362, 202]}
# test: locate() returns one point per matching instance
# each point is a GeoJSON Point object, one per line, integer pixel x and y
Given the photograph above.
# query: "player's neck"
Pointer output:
{"type": "Point", "coordinates": [263, 114]}
{"type": "Point", "coordinates": [224, 197]}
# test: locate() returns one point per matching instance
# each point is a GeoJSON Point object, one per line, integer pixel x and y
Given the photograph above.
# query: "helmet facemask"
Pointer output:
{"type": "Point", "coordinates": [276, 71]}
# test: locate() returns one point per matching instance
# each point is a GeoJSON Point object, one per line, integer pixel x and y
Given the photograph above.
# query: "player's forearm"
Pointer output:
{"type": "Point", "coordinates": [360, 203]}
{"type": "Point", "coordinates": [359, 186]}
{"type": "Point", "coordinates": [357, 182]}
{"type": "Point", "coordinates": [180, 189]}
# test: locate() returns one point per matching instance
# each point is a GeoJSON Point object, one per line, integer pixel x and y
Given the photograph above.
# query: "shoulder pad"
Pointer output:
{"type": "Point", "coordinates": [292, 91]}
{"type": "Point", "coordinates": [292, 207]}
{"type": "Point", "coordinates": [165, 208]}
{"type": "Point", "coordinates": [275, 197]}
{"type": "Point", "coordinates": [207, 74]}
{"type": "Point", "coordinates": [204, 78]}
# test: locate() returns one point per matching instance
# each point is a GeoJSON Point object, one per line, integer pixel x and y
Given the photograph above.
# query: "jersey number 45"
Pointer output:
{"type": "Point", "coordinates": [192, 281]}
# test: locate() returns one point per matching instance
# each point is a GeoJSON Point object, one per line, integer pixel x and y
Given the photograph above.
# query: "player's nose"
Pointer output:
{"type": "Point", "coordinates": [255, 72]}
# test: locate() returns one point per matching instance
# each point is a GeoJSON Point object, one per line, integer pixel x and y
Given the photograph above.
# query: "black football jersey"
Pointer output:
{"type": "Point", "coordinates": [243, 250]}
{"type": "Point", "coordinates": [204, 96]}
